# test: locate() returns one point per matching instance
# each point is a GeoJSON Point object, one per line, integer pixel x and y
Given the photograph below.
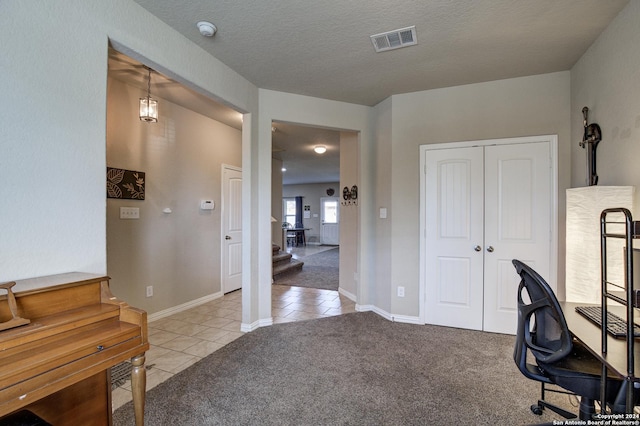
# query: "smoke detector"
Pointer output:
{"type": "Point", "coordinates": [395, 39]}
{"type": "Point", "coordinates": [206, 28]}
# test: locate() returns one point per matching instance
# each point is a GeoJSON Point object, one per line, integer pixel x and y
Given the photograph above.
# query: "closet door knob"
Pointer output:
{"type": "Point", "coordinates": [477, 248]}
{"type": "Point", "coordinates": [490, 249]}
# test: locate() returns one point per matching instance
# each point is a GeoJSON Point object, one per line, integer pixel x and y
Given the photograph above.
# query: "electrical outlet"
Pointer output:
{"type": "Point", "coordinates": [129, 213]}
{"type": "Point", "coordinates": [400, 291]}
{"type": "Point", "coordinates": [149, 291]}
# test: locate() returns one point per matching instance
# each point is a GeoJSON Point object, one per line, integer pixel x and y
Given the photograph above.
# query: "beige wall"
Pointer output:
{"type": "Point", "coordinates": [382, 199]}
{"type": "Point", "coordinates": [182, 156]}
{"type": "Point", "coordinates": [276, 202]}
{"type": "Point", "coordinates": [536, 105]}
{"type": "Point", "coordinates": [53, 122]}
{"type": "Point", "coordinates": [607, 81]}
{"type": "Point", "coordinates": [349, 214]}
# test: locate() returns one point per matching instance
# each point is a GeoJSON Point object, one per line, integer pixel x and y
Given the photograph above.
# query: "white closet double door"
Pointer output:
{"type": "Point", "coordinates": [484, 206]}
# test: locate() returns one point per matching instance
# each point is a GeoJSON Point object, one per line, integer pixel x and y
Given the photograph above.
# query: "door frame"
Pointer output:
{"type": "Point", "coordinates": [553, 252]}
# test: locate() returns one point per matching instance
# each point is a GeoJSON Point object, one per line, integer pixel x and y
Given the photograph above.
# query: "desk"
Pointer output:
{"type": "Point", "coordinates": [590, 334]}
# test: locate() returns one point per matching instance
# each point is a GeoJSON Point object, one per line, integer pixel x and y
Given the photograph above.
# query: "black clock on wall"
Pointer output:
{"type": "Point", "coordinates": [330, 192]}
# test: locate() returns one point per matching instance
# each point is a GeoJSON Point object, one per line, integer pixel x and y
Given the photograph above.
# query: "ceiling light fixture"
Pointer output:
{"type": "Point", "coordinates": [148, 106]}
{"type": "Point", "coordinates": [320, 149]}
{"type": "Point", "coordinates": [206, 28]}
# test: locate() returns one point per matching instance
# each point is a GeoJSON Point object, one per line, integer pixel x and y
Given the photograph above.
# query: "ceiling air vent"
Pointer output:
{"type": "Point", "coordinates": [395, 39]}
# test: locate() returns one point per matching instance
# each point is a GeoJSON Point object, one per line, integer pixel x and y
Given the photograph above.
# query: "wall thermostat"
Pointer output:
{"type": "Point", "coordinates": [207, 205]}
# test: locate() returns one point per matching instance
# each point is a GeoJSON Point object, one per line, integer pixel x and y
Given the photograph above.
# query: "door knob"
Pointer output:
{"type": "Point", "coordinates": [490, 249]}
{"type": "Point", "coordinates": [227, 237]}
{"type": "Point", "coordinates": [477, 248]}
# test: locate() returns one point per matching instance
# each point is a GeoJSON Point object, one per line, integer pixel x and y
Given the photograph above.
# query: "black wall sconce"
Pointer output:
{"type": "Point", "coordinates": [590, 140]}
{"type": "Point", "coordinates": [350, 196]}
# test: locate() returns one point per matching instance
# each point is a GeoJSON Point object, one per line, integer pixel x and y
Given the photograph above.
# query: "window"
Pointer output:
{"type": "Point", "coordinates": [289, 209]}
{"type": "Point", "coordinates": [330, 212]}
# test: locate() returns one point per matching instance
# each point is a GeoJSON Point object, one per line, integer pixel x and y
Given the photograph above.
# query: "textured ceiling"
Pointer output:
{"type": "Point", "coordinates": [322, 48]}
{"type": "Point", "coordinates": [132, 72]}
{"type": "Point", "coordinates": [293, 144]}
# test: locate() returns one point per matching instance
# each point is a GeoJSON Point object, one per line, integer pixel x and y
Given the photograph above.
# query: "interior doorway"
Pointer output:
{"type": "Point", "coordinates": [307, 159]}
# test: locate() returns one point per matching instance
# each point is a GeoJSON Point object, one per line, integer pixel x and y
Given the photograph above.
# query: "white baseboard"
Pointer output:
{"type": "Point", "coordinates": [347, 294]}
{"type": "Point", "coordinates": [179, 308]}
{"type": "Point", "coordinates": [407, 319]}
{"type": "Point", "coordinates": [388, 316]}
{"type": "Point", "coordinates": [247, 328]}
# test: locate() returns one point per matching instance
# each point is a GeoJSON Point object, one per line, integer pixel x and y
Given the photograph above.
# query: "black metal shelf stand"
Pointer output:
{"type": "Point", "coordinates": [630, 233]}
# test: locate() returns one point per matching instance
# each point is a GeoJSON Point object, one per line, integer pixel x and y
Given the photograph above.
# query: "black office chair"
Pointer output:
{"type": "Point", "coordinates": [560, 359]}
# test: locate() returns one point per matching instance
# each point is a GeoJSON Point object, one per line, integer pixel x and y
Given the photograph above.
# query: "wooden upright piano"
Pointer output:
{"type": "Point", "coordinates": [58, 365]}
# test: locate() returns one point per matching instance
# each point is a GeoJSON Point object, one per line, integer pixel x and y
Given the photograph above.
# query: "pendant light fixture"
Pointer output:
{"type": "Point", "coordinates": [148, 106]}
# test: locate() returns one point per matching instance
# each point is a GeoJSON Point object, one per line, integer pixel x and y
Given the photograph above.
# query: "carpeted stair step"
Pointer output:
{"type": "Point", "coordinates": [280, 258]}
{"type": "Point", "coordinates": [284, 268]}
{"type": "Point", "coordinates": [283, 262]}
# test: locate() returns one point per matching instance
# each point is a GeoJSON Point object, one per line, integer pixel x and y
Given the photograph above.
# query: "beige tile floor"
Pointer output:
{"type": "Point", "coordinates": [182, 339]}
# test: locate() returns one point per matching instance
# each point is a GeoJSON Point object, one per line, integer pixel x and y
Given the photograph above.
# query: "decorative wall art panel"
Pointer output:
{"type": "Point", "coordinates": [125, 184]}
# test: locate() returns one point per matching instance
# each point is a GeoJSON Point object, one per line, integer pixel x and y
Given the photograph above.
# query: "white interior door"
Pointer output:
{"type": "Point", "coordinates": [231, 229]}
{"type": "Point", "coordinates": [484, 206]}
{"type": "Point", "coordinates": [329, 221]}
{"type": "Point", "coordinates": [517, 225]}
{"type": "Point", "coordinates": [454, 232]}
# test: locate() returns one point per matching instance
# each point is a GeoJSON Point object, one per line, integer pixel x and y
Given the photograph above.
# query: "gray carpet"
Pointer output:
{"type": "Point", "coordinates": [320, 270]}
{"type": "Point", "coordinates": [354, 369]}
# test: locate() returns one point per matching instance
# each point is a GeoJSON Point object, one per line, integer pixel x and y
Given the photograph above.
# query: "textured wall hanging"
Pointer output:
{"type": "Point", "coordinates": [126, 184]}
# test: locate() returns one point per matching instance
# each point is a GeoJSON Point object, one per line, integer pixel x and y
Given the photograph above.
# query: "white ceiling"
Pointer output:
{"type": "Point", "coordinates": [293, 144]}
{"type": "Point", "coordinates": [323, 49]}
{"type": "Point", "coordinates": [132, 72]}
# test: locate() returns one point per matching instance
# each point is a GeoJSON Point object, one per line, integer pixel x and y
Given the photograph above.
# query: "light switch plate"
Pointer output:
{"type": "Point", "coordinates": [129, 213]}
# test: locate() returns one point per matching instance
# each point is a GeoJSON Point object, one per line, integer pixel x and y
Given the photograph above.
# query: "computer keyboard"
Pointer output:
{"type": "Point", "coordinates": [616, 326]}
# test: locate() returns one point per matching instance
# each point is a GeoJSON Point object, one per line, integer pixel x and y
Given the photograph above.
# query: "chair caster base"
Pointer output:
{"type": "Point", "coordinates": [536, 409]}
